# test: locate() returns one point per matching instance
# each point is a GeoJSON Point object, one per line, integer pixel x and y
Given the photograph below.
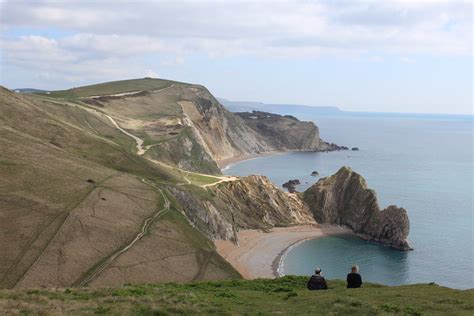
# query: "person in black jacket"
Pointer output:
{"type": "Point", "coordinates": [354, 280]}
{"type": "Point", "coordinates": [317, 281]}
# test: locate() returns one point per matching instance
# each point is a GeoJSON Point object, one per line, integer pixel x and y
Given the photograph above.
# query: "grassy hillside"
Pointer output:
{"type": "Point", "coordinates": [113, 87]}
{"type": "Point", "coordinates": [157, 118]}
{"type": "Point", "coordinates": [71, 183]}
{"type": "Point", "coordinates": [286, 296]}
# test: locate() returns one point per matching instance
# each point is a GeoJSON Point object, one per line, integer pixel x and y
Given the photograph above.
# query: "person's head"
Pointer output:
{"type": "Point", "coordinates": [318, 270]}
{"type": "Point", "coordinates": [355, 268]}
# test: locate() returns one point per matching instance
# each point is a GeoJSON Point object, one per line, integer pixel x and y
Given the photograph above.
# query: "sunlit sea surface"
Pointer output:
{"type": "Point", "coordinates": [422, 163]}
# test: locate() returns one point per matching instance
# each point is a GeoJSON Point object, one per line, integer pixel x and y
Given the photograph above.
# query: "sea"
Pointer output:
{"type": "Point", "coordinates": [423, 163]}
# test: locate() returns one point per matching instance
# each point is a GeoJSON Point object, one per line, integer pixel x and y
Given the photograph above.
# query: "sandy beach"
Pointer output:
{"type": "Point", "coordinates": [259, 253]}
{"type": "Point", "coordinates": [229, 161]}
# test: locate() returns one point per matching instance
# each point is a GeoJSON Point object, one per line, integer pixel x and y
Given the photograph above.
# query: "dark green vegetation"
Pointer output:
{"type": "Point", "coordinates": [286, 296]}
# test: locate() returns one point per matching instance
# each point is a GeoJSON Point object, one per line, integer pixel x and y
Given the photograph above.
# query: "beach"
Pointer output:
{"type": "Point", "coordinates": [225, 163]}
{"type": "Point", "coordinates": [259, 254]}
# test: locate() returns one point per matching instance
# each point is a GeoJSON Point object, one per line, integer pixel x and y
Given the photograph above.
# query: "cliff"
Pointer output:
{"type": "Point", "coordinates": [286, 132]}
{"type": "Point", "coordinates": [251, 202]}
{"type": "Point", "coordinates": [344, 199]}
{"type": "Point", "coordinates": [220, 132]}
{"type": "Point", "coordinates": [225, 135]}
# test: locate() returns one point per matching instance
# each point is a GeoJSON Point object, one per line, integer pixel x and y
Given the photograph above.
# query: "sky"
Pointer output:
{"type": "Point", "coordinates": [371, 55]}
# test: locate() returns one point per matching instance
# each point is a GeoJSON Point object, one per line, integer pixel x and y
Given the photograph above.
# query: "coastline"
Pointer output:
{"type": "Point", "coordinates": [223, 164]}
{"type": "Point", "coordinates": [261, 254]}
{"type": "Point", "coordinates": [226, 163]}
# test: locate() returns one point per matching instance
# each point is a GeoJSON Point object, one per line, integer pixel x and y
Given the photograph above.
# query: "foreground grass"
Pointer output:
{"type": "Point", "coordinates": [286, 295]}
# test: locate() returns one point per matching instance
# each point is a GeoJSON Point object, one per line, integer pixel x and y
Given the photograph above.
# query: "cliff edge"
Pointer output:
{"type": "Point", "coordinates": [285, 132]}
{"type": "Point", "coordinates": [225, 135]}
{"type": "Point", "coordinates": [251, 202]}
{"type": "Point", "coordinates": [344, 199]}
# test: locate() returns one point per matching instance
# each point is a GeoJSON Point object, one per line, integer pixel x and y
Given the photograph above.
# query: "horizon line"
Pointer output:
{"type": "Point", "coordinates": [315, 106]}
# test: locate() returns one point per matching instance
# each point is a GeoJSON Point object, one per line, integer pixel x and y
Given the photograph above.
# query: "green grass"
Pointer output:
{"type": "Point", "coordinates": [113, 87]}
{"type": "Point", "coordinates": [198, 179]}
{"type": "Point", "coordinates": [286, 296]}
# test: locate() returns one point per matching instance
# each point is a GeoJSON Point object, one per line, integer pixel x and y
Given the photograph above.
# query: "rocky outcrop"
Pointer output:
{"type": "Point", "coordinates": [344, 199]}
{"type": "Point", "coordinates": [332, 147]}
{"type": "Point", "coordinates": [258, 203]}
{"type": "Point", "coordinates": [314, 173]}
{"type": "Point", "coordinates": [203, 215]}
{"type": "Point", "coordinates": [251, 202]}
{"type": "Point", "coordinates": [284, 132]}
{"type": "Point", "coordinates": [290, 185]}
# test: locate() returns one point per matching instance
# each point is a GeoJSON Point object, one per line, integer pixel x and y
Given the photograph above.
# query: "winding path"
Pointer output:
{"type": "Point", "coordinates": [122, 94]}
{"type": "Point", "coordinates": [141, 150]}
{"type": "Point", "coordinates": [145, 227]}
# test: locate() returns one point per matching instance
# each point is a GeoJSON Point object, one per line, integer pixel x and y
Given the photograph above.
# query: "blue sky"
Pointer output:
{"type": "Point", "coordinates": [383, 56]}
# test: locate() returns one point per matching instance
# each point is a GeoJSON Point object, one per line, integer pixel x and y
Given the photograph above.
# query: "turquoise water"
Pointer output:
{"type": "Point", "coordinates": [424, 164]}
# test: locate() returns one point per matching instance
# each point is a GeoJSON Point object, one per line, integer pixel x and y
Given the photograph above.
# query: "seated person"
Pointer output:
{"type": "Point", "coordinates": [317, 281]}
{"type": "Point", "coordinates": [354, 280]}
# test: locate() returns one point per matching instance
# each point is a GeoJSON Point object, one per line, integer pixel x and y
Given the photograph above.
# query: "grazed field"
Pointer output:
{"type": "Point", "coordinates": [285, 296]}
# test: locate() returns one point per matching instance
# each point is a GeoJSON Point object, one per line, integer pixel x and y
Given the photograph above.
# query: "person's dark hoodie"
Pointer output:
{"type": "Point", "coordinates": [354, 280]}
{"type": "Point", "coordinates": [317, 282]}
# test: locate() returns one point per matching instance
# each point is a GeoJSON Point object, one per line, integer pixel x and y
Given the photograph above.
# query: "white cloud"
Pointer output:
{"type": "Point", "coordinates": [348, 25]}
{"type": "Point", "coordinates": [122, 32]}
{"type": "Point", "coordinates": [151, 73]}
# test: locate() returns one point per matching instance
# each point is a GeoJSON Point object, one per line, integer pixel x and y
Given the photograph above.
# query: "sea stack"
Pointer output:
{"type": "Point", "coordinates": [344, 199]}
{"type": "Point", "coordinates": [290, 185]}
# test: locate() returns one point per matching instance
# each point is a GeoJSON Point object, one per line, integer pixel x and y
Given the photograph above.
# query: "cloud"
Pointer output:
{"type": "Point", "coordinates": [169, 31]}
{"type": "Point", "coordinates": [407, 60]}
{"type": "Point", "coordinates": [348, 25]}
{"type": "Point", "coordinates": [53, 61]}
{"type": "Point", "coordinates": [151, 73]}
